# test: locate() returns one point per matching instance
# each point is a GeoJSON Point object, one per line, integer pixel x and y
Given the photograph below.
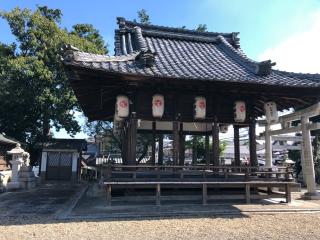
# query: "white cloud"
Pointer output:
{"type": "Point", "coordinates": [300, 52]}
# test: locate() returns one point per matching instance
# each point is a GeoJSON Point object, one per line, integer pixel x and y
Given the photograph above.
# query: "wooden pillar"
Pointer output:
{"type": "Point", "coordinates": [132, 139]}
{"type": "Point", "coordinates": [207, 149]}
{"type": "Point", "coordinates": [158, 194]}
{"type": "Point", "coordinates": [253, 144]}
{"type": "Point", "coordinates": [153, 144]}
{"type": "Point", "coordinates": [160, 153]}
{"type": "Point", "coordinates": [124, 143]}
{"type": "Point", "coordinates": [194, 149]}
{"type": "Point", "coordinates": [181, 145]}
{"type": "Point", "coordinates": [236, 143]}
{"type": "Point", "coordinates": [176, 148]}
{"type": "Point", "coordinates": [215, 144]}
{"type": "Point", "coordinates": [128, 143]}
{"type": "Point", "coordinates": [268, 147]}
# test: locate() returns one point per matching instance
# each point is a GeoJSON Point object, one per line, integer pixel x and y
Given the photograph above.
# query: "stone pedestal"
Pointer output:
{"type": "Point", "coordinates": [27, 179]}
{"type": "Point", "coordinates": [311, 196]}
{"type": "Point", "coordinates": [14, 183]}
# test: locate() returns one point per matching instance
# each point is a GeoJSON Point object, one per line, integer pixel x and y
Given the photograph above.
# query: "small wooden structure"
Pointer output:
{"type": "Point", "coordinates": [60, 159]}
{"type": "Point", "coordinates": [182, 82]}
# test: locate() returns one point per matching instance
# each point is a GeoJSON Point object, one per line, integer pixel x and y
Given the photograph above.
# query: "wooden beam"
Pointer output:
{"type": "Point", "coordinates": [176, 141]}
{"type": "Point", "coordinates": [207, 149]}
{"type": "Point", "coordinates": [160, 153]}
{"type": "Point", "coordinates": [204, 194]}
{"type": "Point", "coordinates": [181, 145]}
{"type": "Point", "coordinates": [215, 144]}
{"type": "Point", "coordinates": [288, 193]}
{"type": "Point", "coordinates": [153, 144]}
{"type": "Point", "coordinates": [158, 194]}
{"type": "Point", "coordinates": [194, 149]}
{"type": "Point", "coordinates": [247, 189]}
{"type": "Point", "coordinates": [236, 143]}
{"type": "Point", "coordinates": [253, 144]}
{"type": "Point", "coordinates": [132, 139]}
{"type": "Point", "coordinates": [109, 195]}
{"type": "Point", "coordinates": [124, 143]}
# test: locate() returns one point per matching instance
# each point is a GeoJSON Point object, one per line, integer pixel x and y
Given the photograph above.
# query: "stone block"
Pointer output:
{"type": "Point", "coordinates": [13, 185]}
{"type": "Point", "coordinates": [26, 179]}
{"type": "Point", "coordinates": [24, 168]}
{"type": "Point", "coordinates": [311, 196]}
{"type": "Point", "coordinates": [31, 185]}
{"type": "Point", "coordinates": [26, 174]}
{"type": "Point", "coordinates": [43, 177]}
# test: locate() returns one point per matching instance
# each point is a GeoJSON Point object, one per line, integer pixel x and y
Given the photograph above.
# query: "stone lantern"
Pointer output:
{"type": "Point", "coordinates": [16, 162]}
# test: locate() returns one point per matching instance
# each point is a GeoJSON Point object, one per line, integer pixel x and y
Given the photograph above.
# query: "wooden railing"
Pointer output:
{"type": "Point", "coordinates": [242, 177]}
{"type": "Point", "coordinates": [138, 172]}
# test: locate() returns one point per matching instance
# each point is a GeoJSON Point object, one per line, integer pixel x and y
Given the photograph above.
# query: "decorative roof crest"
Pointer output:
{"type": "Point", "coordinates": [264, 68]}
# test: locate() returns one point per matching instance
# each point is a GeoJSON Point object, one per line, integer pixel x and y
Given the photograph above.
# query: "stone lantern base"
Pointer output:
{"type": "Point", "coordinates": [13, 185]}
{"type": "Point", "coordinates": [26, 177]}
{"type": "Point", "coordinates": [311, 196]}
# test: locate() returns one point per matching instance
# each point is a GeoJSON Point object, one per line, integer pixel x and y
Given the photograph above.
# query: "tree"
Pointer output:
{"type": "Point", "coordinates": [87, 31]}
{"type": "Point", "coordinates": [35, 94]}
{"type": "Point", "coordinates": [201, 28]}
{"type": "Point", "coordinates": [143, 17]}
{"type": "Point", "coordinates": [199, 148]}
{"type": "Point", "coordinates": [112, 141]}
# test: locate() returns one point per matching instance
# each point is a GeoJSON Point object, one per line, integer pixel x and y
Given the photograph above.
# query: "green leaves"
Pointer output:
{"type": "Point", "coordinates": [88, 32]}
{"type": "Point", "coordinates": [34, 91]}
{"type": "Point", "coordinates": [201, 28]}
{"type": "Point", "coordinates": [144, 17]}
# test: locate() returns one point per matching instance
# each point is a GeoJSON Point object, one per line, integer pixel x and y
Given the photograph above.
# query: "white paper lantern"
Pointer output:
{"type": "Point", "coordinates": [239, 111]}
{"type": "Point", "coordinates": [223, 128]}
{"type": "Point", "coordinates": [271, 112]}
{"type": "Point", "coordinates": [200, 107]}
{"type": "Point", "coordinates": [157, 105]}
{"type": "Point", "coordinates": [122, 106]}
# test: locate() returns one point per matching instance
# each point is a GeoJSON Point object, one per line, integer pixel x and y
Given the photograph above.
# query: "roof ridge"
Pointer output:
{"type": "Point", "coordinates": [175, 32]}
{"type": "Point", "coordinates": [123, 22]}
{"type": "Point", "coordinates": [262, 68]}
{"type": "Point", "coordinates": [72, 55]}
{"type": "Point", "coordinates": [6, 139]}
{"type": "Point", "coordinates": [244, 60]}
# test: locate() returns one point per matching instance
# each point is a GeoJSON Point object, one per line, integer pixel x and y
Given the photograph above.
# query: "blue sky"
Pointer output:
{"type": "Point", "coordinates": [261, 24]}
{"type": "Point", "coordinates": [268, 29]}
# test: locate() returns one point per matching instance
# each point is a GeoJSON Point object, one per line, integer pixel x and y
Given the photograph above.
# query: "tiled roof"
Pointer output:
{"type": "Point", "coordinates": [6, 140]}
{"type": "Point", "coordinates": [154, 51]}
{"type": "Point", "coordinates": [61, 143]}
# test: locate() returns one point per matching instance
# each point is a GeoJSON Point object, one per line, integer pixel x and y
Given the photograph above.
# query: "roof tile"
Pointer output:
{"type": "Point", "coordinates": [187, 54]}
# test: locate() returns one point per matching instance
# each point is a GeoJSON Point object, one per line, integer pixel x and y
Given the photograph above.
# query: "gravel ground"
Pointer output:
{"type": "Point", "coordinates": [276, 226]}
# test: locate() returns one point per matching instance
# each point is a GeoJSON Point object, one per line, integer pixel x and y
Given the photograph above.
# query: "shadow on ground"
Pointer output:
{"type": "Point", "coordinates": [59, 202]}
{"type": "Point", "coordinates": [64, 202]}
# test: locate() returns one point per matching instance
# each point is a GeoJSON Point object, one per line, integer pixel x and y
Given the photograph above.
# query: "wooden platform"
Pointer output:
{"type": "Point", "coordinates": [199, 177]}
